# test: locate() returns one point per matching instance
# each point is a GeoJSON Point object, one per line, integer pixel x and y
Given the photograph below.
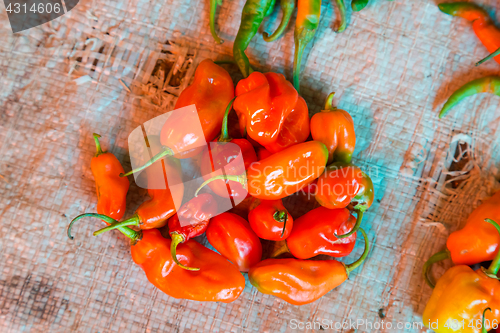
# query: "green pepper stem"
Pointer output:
{"type": "Point", "coordinates": [287, 7]}
{"type": "Point", "coordinates": [235, 178]}
{"type": "Point", "coordinates": [349, 268]}
{"type": "Point", "coordinates": [495, 265]}
{"type": "Point", "coordinates": [97, 145]}
{"type": "Point", "coordinates": [166, 152]}
{"type": "Point", "coordinates": [343, 21]}
{"type": "Point", "coordinates": [358, 5]}
{"type": "Point", "coordinates": [224, 137]}
{"type": "Point", "coordinates": [176, 240]}
{"type": "Point", "coordinates": [132, 234]}
{"type": "Point", "coordinates": [355, 228]}
{"type": "Point", "coordinates": [492, 55]}
{"type": "Point", "coordinates": [281, 216]}
{"type": "Point", "coordinates": [483, 327]}
{"type": "Point", "coordinates": [329, 102]}
{"type": "Point", "coordinates": [213, 8]}
{"type": "Point", "coordinates": [134, 220]}
{"type": "Point", "coordinates": [440, 256]}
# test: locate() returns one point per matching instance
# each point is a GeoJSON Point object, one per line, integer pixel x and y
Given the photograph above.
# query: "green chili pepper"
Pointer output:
{"type": "Point", "coordinates": [253, 13]}
{"type": "Point", "coordinates": [307, 22]}
{"type": "Point", "coordinates": [489, 84]}
{"type": "Point", "coordinates": [343, 21]}
{"type": "Point", "coordinates": [287, 7]}
{"type": "Point", "coordinates": [358, 5]}
{"type": "Point", "coordinates": [213, 8]}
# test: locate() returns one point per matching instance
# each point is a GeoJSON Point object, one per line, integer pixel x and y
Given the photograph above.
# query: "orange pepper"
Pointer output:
{"type": "Point", "coordinates": [263, 102]}
{"type": "Point", "coordinates": [335, 128]}
{"type": "Point", "coordinates": [211, 91]}
{"type": "Point", "coordinates": [462, 295]}
{"type": "Point", "coordinates": [299, 281]}
{"type": "Point", "coordinates": [270, 220]}
{"type": "Point", "coordinates": [476, 242]}
{"type": "Point", "coordinates": [233, 238]}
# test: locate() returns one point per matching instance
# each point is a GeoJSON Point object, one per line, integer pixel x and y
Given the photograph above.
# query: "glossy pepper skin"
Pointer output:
{"type": "Point", "coordinates": [463, 294]}
{"type": "Point", "coordinates": [335, 128]}
{"type": "Point", "coordinates": [211, 91]}
{"type": "Point", "coordinates": [270, 220]}
{"type": "Point", "coordinates": [287, 7]}
{"type": "Point", "coordinates": [306, 24]}
{"type": "Point", "coordinates": [190, 221]}
{"type": "Point", "coordinates": [316, 233]}
{"type": "Point", "coordinates": [489, 84]}
{"type": "Point", "coordinates": [110, 187]}
{"type": "Point", "coordinates": [295, 128]}
{"type": "Point", "coordinates": [263, 102]}
{"type": "Point", "coordinates": [252, 16]}
{"type": "Point", "coordinates": [482, 24]}
{"type": "Point", "coordinates": [476, 242]}
{"type": "Point", "coordinates": [221, 156]}
{"type": "Point", "coordinates": [300, 282]}
{"type": "Point", "coordinates": [233, 238]}
{"type": "Point", "coordinates": [217, 280]}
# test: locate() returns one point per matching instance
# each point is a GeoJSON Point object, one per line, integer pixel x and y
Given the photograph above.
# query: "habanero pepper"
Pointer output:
{"type": "Point", "coordinates": [252, 16]}
{"type": "Point", "coordinates": [482, 24]}
{"type": "Point", "coordinates": [287, 7]}
{"type": "Point", "coordinates": [190, 221]}
{"type": "Point", "coordinates": [475, 243]}
{"type": "Point", "coordinates": [462, 294]}
{"type": "Point", "coordinates": [211, 91]}
{"type": "Point", "coordinates": [335, 128]}
{"type": "Point", "coordinates": [306, 24]}
{"type": "Point", "coordinates": [270, 220]}
{"type": "Point", "coordinates": [217, 280]}
{"type": "Point", "coordinates": [263, 102]}
{"type": "Point", "coordinates": [221, 156]}
{"type": "Point", "coordinates": [344, 184]}
{"type": "Point", "coordinates": [154, 212]}
{"type": "Point", "coordinates": [232, 237]}
{"type": "Point", "coordinates": [489, 84]}
{"type": "Point", "coordinates": [283, 173]}
{"type": "Point", "coordinates": [316, 232]}
{"type": "Point", "coordinates": [300, 282]}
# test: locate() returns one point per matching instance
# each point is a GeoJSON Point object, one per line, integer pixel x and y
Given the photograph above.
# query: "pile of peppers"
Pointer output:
{"type": "Point", "coordinates": [279, 161]}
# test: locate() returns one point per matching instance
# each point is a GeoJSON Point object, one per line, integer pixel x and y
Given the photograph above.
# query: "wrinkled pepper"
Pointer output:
{"type": "Point", "coordinates": [462, 294]}
{"type": "Point", "coordinates": [110, 187]}
{"type": "Point", "coordinates": [287, 7]}
{"type": "Point", "coordinates": [263, 102]}
{"type": "Point", "coordinates": [211, 91]}
{"type": "Point", "coordinates": [270, 220]}
{"type": "Point", "coordinates": [299, 281]}
{"type": "Point", "coordinates": [475, 243]}
{"type": "Point", "coordinates": [335, 128]}
{"type": "Point", "coordinates": [154, 212]}
{"type": "Point", "coordinates": [316, 232]}
{"type": "Point", "coordinates": [283, 173]}
{"type": "Point", "coordinates": [190, 221]}
{"type": "Point", "coordinates": [482, 24]}
{"type": "Point", "coordinates": [306, 24]}
{"type": "Point", "coordinates": [221, 155]}
{"type": "Point", "coordinates": [489, 84]}
{"type": "Point", "coordinates": [252, 16]}
{"type": "Point", "coordinates": [344, 184]}
{"type": "Point", "coordinates": [233, 238]}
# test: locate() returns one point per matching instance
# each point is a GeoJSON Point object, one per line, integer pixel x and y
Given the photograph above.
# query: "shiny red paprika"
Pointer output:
{"type": "Point", "coordinates": [317, 232]}
{"type": "Point", "coordinates": [190, 221]}
{"type": "Point", "coordinates": [270, 220]}
{"type": "Point", "coordinates": [233, 238]}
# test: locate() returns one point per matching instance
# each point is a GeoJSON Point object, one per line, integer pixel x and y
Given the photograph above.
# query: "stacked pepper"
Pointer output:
{"type": "Point", "coordinates": [274, 119]}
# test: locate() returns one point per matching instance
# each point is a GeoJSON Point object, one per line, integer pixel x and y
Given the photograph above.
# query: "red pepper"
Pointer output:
{"type": "Point", "coordinates": [263, 153]}
{"type": "Point", "coordinates": [270, 220]}
{"type": "Point", "coordinates": [233, 238]}
{"type": "Point", "coordinates": [221, 155]}
{"type": "Point", "coordinates": [190, 221]}
{"type": "Point", "coordinates": [316, 233]}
